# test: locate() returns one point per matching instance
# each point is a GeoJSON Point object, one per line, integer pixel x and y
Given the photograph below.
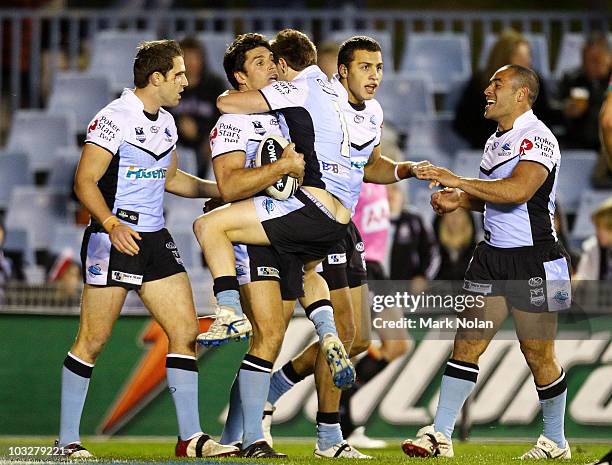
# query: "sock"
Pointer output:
{"type": "Point", "coordinates": [282, 381]}
{"type": "Point", "coordinates": [232, 431]}
{"type": "Point", "coordinates": [321, 314]}
{"type": "Point", "coordinates": [328, 430]}
{"type": "Point", "coordinates": [368, 367]}
{"type": "Point", "coordinates": [552, 399]}
{"type": "Point", "coordinates": [254, 381]}
{"type": "Point", "coordinates": [458, 383]}
{"type": "Point", "coordinates": [182, 375]}
{"type": "Point", "coordinates": [227, 292]}
{"type": "Point", "coordinates": [75, 381]}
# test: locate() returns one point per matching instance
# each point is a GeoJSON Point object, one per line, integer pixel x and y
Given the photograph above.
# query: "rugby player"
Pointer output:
{"type": "Point", "coordinates": [128, 161]}
{"type": "Point", "coordinates": [520, 264]}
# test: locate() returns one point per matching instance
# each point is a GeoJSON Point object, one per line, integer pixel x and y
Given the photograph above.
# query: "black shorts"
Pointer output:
{"type": "Point", "coordinates": [344, 265]}
{"type": "Point", "coordinates": [299, 226]}
{"type": "Point", "coordinates": [258, 263]}
{"type": "Point", "coordinates": [532, 279]}
{"type": "Point", "coordinates": [103, 265]}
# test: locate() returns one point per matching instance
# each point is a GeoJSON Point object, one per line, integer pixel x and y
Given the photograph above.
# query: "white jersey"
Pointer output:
{"type": "Point", "coordinates": [311, 116]}
{"type": "Point", "coordinates": [364, 123]}
{"type": "Point", "coordinates": [532, 222]}
{"type": "Point", "coordinates": [134, 182]}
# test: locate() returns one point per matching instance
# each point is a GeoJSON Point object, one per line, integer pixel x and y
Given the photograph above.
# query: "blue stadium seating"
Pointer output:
{"type": "Point", "coordinates": [38, 134]}
{"type": "Point", "coordinates": [574, 177]}
{"type": "Point", "coordinates": [467, 163]}
{"type": "Point", "coordinates": [589, 201]}
{"type": "Point", "coordinates": [67, 237]}
{"type": "Point", "coordinates": [14, 171]}
{"type": "Point", "coordinates": [434, 134]}
{"type": "Point", "coordinates": [443, 56]}
{"type": "Point", "coordinates": [113, 56]}
{"type": "Point", "coordinates": [18, 240]}
{"type": "Point", "coordinates": [80, 95]}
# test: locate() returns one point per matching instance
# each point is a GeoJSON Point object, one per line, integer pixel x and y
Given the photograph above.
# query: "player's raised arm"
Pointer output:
{"type": "Point", "coordinates": [242, 103]}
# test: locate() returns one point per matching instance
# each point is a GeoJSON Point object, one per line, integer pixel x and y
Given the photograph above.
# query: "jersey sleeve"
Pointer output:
{"type": "Point", "coordinates": [228, 135]}
{"type": "Point", "coordinates": [379, 115]}
{"type": "Point", "coordinates": [539, 146]}
{"type": "Point", "coordinates": [285, 94]}
{"type": "Point", "coordinates": [106, 131]}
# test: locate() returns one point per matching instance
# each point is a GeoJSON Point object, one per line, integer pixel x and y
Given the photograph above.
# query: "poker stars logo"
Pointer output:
{"type": "Point", "coordinates": [526, 146]}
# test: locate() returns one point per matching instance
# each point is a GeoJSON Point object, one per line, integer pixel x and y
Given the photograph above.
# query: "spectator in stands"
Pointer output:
{"type": "Point", "coordinates": [605, 124]}
{"type": "Point", "coordinates": [596, 259]}
{"type": "Point", "coordinates": [197, 112]}
{"type": "Point", "coordinates": [511, 48]}
{"type": "Point", "coordinates": [582, 92]}
{"type": "Point", "coordinates": [456, 234]}
{"type": "Point", "coordinates": [65, 278]}
{"type": "Point", "coordinates": [414, 250]}
{"type": "Point", "coordinates": [327, 58]}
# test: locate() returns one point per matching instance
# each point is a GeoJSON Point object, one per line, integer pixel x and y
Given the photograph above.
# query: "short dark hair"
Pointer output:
{"type": "Point", "coordinates": [235, 55]}
{"type": "Point", "coordinates": [526, 77]}
{"type": "Point", "coordinates": [154, 56]}
{"type": "Point", "coordinates": [295, 48]}
{"type": "Point", "coordinates": [348, 47]}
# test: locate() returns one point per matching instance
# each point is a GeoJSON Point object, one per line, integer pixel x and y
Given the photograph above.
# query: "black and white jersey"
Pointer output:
{"type": "Point", "coordinates": [532, 222]}
{"type": "Point", "coordinates": [141, 146]}
{"type": "Point", "coordinates": [311, 116]}
{"type": "Point", "coordinates": [364, 123]}
{"type": "Point", "coordinates": [242, 133]}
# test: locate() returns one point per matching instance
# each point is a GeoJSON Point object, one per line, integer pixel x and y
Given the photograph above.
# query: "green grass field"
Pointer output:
{"type": "Point", "coordinates": [161, 451]}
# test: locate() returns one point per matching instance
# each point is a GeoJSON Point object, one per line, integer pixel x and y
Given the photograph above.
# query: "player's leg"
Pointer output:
{"type": "Point", "coordinates": [100, 308]}
{"type": "Point", "coordinates": [170, 301]}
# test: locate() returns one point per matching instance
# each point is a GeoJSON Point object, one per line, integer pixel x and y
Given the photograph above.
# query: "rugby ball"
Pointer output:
{"type": "Point", "coordinates": [270, 150]}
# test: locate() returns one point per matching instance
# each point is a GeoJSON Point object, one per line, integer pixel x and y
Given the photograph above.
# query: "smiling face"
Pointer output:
{"type": "Point", "coordinates": [363, 75]}
{"type": "Point", "coordinates": [174, 82]}
{"type": "Point", "coordinates": [501, 95]}
{"type": "Point", "coordinates": [259, 69]}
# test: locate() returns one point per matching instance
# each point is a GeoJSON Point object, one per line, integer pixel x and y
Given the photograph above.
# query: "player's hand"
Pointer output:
{"type": "Point", "coordinates": [445, 201]}
{"type": "Point", "coordinates": [438, 175]}
{"type": "Point", "coordinates": [213, 203]}
{"type": "Point", "coordinates": [124, 239]}
{"type": "Point", "coordinates": [295, 163]}
{"type": "Point", "coordinates": [409, 169]}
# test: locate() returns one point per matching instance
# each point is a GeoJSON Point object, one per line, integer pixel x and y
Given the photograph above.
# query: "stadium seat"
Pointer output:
{"type": "Point", "coordinates": [574, 177]}
{"type": "Point", "coordinates": [180, 213]}
{"type": "Point", "coordinates": [67, 237]}
{"type": "Point", "coordinates": [404, 97]}
{"type": "Point", "coordinates": [443, 56]}
{"type": "Point", "coordinates": [384, 38]}
{"type": "Point", "coordinates": [433, 134]}
{"type": "Point", "coordinates": [79, 94]}
{"type": "Point", "coordinates": [187, 160]}
{"type": "Point", "coordinates": [62, 172]}
{"type": "Point", "coordinates": [215, 44]}
{"type": "Point", "coordinates": [452, 97]}
{"type": "Point", "coordinates": [18, 240]}
{"type": "Point", "coordinates": [14, 171]}
{"type": "Point", "coordinates": [539, 52]}
{"type": "Point", "coordinates": [570, 53]}
{"type": "Point", "coordinates": [37, 210]}
{"type": "Point", "coordinates": [113, 56]}
{"type": "Point", "coordinates": [38, 134]}
{"type": "Point", "coordinates": [589, 201]}
{"type": "Point", "coordinates": [467, 163]}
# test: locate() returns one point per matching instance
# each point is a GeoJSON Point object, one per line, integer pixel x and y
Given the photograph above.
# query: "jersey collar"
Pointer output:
{"type": "Point", "coordinates": [525, 119]}
{"type": "Point", "coordinates": [311, 70]}
{"type": "Point", "coordinates": [133, 101]}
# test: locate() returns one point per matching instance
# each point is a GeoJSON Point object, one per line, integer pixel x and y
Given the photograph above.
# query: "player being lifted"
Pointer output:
{"type": "Point", "coordinates": [360, 70]}
{"type": "Point", "coordinates": [128, 161]}
{"type": "Point", "coordinates": [520, 264]}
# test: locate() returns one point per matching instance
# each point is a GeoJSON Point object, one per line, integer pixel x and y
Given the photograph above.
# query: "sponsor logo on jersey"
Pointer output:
{"type": "Point", "coordinates": [104, 128]}
{"type": "Point", "coordinates": [479, 288]}
{"type": "Point", "coordinates": [267, 271]}
{"type": "Point", "coordinates": [506, 146]}
{"type": "Point", "coordinates": [333, 167]}
{"type": "Point", "coordinates": [327, 87]}
{"type": "Point", "coordinates": [154, 129]}
{"type": "Point", "coordinates": [284, 87]}
{"type": "Point", "coordinates": [213, 135]}
{"type": "Point", "coordinates": [546, 146]}
{"type": "Point", "coordinates": [495, 145]}
{"type": "Point", "coordinates": [128, 278]}
{"type": "Point", "coordinates": [535, 281]}
{"type": "Point", "coordinates": [526, 145]}
{"type": "Point", "coordinates": [358, 119]}
{"type": "Point", "coordinates": [273, 122]}
{"type": "Point", "coordinates": [373, 121]}
{"type": "Point", "coordinates": [229, 132]}
{"type": "Point", "coordinates": [336, 258]}
{"type": "Point", "coordinates": [268, 204]}
{"type": "Point", "coordinates": [259, 129]}
{"type": "Point", "coordinates": [358, 164]}
{"type": "Point", "coordinates": [95, 270]}
{"type": "Point", "coordinates": [359, 247]}
{"type": "Point", "coordinates": [170, 245]}
{"type": "Point", "coordinates": [145, 173]}
{"type": "Point", "coordinates": [140, 135]}
{"type": "Point", "coordinates": [128, 216]}
{"type": "Point", "coordinates": [168, 135]}
{"type": "Point", "coordinates": [537, 296]}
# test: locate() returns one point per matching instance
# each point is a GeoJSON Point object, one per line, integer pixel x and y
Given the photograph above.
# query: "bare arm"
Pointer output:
{"type": "Point", "coordinates": [92, 166]}
{"type": "Point", "coordinates": [381, 170]}
{"type": "Point", "coordinates": [237, 182]}
{"type": "Point", "coordinates": [448, 200]}
{"type": "Point", "coordinates": [605, 128]}
{"type": "Point", "coordinates": [525, 180]}
{"type": "Point", "coordinates": [242, 103]}
{"type": "Point", "coordinates": [186, 185]}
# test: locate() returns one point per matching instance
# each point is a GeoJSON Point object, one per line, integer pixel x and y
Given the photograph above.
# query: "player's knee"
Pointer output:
{"type": "Point", "coordinates": [202, 225]}
{"type": "Point", "coordinates": [91, 344]}
{"type": "Point", "coordinates": [469, 350]}
{"type": "Point", "coordinates": [537, 352]}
